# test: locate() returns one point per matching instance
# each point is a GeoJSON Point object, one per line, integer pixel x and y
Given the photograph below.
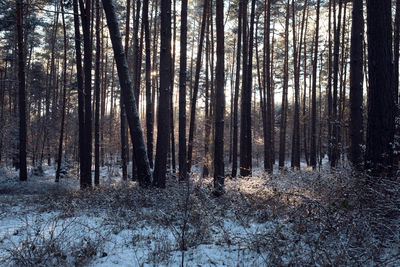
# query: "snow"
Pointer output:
{"type": "Point", "coordinates": [304, 218]}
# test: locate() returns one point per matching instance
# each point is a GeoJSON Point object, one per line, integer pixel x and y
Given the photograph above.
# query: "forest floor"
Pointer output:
{"type": "Point", "coordinates": [288, 218]}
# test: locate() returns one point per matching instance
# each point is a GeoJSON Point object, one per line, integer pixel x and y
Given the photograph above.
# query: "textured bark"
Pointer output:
{"type": "Point", "coordinates": [381, 108]}
{"type": "Point", "coordinates": [313, 151]}
{"type": "Point", "coordinates": [21, 94]}
{"type": "Point", "coordinates": [236, 96]}
{"type": "Point", "coordinates": [196, 88]}
{"type": "Point", "coordinates": [163, 117]}
{"type": "Point", "coordinates": [141, 159]}
{"type": "Point", "coordinates": [220, 101]}
{"type": "Point", "coordinates": [356, 84]}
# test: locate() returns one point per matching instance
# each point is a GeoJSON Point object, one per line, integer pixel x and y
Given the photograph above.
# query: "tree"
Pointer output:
{"type": "Point", "coordinates": [313, 151]}
{"type": "Point", "coordinates": [160, 166]}
{"type": "Point", "coordinates": [141, 159]}
{"type": "Point", "coordinates": [97, 99]}
{"type": "Point", "coordinates": [236, 95]}
{"type": "Point", "coordinates": [64, 97]}
{"type": "Point", "coordinates": [220, 101]}
{"type": "Point", "coordinates": [356, 84]}
{"type": "Point", "coordinates": [86, 153]}
{"type": "Point", "coordinates": [182, 93]}
{"type": "Point", "coordinates": [283, 122]}
{"type": "Point", "coordinates": [245, 110]}
{"type": "Point", "coordinates": [192, 124]}
{"type": "Point", "coordinates": [21, 93]}
{"type": "Point", "coordinates": [381, 108]}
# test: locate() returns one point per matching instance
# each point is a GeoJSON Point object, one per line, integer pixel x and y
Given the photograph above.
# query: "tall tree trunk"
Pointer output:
{"type": "Point", "coordinates": [282, 132]}
{"type": "Point", "coordinates": [313, 151]}
{"type": "Point", "coordinates": [396, 49]}
{"type": "Point", "coordinates": [356, 84]}
{"type": "Point", "coordinates": [335, 118]}
{"type": "Point", "coordinates": [295, 162]}
{"type": "Point", "coordinates": [219, 173]}
{"type": "Point", "coordinates": [236, 96]}
{"type": "Point", "coordinates": [163, 116]}
{"type": "Point", "coordinates": [381, 108]}
{"type": "Point", "coordinates": [141, 159]}
{"type": "Point", "coordinates": [196, 88]}
{"type": "Point", "coordinates": [182, 93]}
{"type": "Point", "coordinates": [86, 158]}
{"type": "Point", "coordinates": [245, 111]}
{"type": "Point", "coordinates": [60, 144]}
{"type": "Point", "coordinates": [97, 99]}
{"type": "Point", "coordinates": [268, 164]}
{"type": "Point", "coordinates": [21, 94]}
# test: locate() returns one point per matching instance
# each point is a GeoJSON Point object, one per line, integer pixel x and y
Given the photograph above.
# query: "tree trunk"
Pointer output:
{"type": "Point", "coordinates": [196, 88]}
{"type": "Point", "coordinates": [97, 99]}
{"type": "Point", "coordinates": [381, 108]}
{"type": "Point", "coordinates": [60, 146]}
{"type": "Point", "coordinates": [245, 111]}
{"type": "Point", "coordinates": [356, 84]}
{"type": "Point", "coordinates": [236, 96]}
{"type": "Point", "coordinates": [86, 157]}
{"type": "Point", "coordinates": [313, 151]}
{"type": "Point", "coordinates": [141, 159]}
{"type": "Point", "coordinates": [219, 173]}
{"type": "Point", "coordinates": [163, 116]}
{"type": "Point", "coordinates": [21, 94]}
{"type": "Point", "coordinates": [282, 133]}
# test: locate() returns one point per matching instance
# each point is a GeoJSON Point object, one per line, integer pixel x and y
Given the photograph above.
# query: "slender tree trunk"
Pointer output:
{"type": "Point", "coordinates": [21, 94]}
{"type": "Point", "coordinates": [141, 159]}
{"type": "Point", "coordinates": [396, 49]}
{"type": "Point", "coordinates": [220, 101]}
{"type": "Point", "coordinates": [236, 96]}
{"type": "Point", "coordinates": [296, 119]}
{"type": "Point", "coordinates": [313, 152]}
{"type": "Point", "coordinates": [268, 164]}
{"type": "Point", "coordinates": [245, 111]}
{"type": "Point", "coordinates": [97, 99]}
{"type": "Point", "coordinates": [196, 88]}
{"type": "Point", "coordinates": [282, 133]}
{"type": "Point", "coordinates": [60, 146]}
{"type": "Point", "coordinates": [182, 93]}
{"type": "Point", "coordinates": [86, 158]}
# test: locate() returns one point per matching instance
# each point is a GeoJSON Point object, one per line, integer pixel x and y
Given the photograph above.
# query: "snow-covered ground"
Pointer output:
{"type": "Point", "coordinates": [288, 218]}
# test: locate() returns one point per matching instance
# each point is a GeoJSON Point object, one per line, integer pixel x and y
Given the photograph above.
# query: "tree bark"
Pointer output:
{"type": "Point", "coordinates": [163, 116]}
{"type": "Point", "coordinates": [21, 94]}
{"type": "Point", "coordinates": [381, 103]}
{"type": "Point", "coordinates": [220, 101]}
{"type": "Point", "coordinates": [141, 159]}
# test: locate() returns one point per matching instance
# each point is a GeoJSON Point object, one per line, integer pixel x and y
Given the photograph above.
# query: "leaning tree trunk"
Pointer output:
{"type": "Point", "coordinates": [141, 159]}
